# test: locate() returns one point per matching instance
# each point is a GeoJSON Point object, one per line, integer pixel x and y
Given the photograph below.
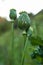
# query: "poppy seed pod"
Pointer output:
{"type": "Point", "coordinates": [24, 21]}
{"type": "Point", "coordinates": [13, 14]}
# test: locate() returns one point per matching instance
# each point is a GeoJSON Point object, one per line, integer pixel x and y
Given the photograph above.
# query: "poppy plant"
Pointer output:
{"type": "Point", "coordinates": [24, 24]}
{"type": "Point", "coordinates": [12, 16]}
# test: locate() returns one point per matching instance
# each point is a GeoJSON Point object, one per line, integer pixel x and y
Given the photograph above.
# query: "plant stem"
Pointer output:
{"type": "Point", "coordinates": [12, 44]}
{"type": "Point", "coordinates": [25, 44]}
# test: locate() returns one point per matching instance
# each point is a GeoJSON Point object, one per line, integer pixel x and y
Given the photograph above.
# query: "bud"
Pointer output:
{"type": "Point", "coordinates": [30, 31]}
{"type": "Point", "coordinates": [24, 32]}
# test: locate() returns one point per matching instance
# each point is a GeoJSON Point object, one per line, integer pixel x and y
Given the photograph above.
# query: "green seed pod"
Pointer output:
{"type": "Point", "coordinates": [13, 14]}
{"type": "Point", "coordinates": [24, 21]}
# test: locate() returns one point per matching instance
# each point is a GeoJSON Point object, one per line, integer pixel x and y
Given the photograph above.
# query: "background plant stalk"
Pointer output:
{"type": "Point", "coordinates": [12, 43]}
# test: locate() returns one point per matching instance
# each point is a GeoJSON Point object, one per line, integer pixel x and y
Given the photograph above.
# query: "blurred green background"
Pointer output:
{"type": "Point", "coordinates": [6, 41]}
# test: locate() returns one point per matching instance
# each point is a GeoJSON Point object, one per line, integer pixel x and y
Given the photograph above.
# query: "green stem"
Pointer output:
{"type": "Point", "coordinates": [25, 44]}
{"type": "Point", "coordinates": [12, 43]}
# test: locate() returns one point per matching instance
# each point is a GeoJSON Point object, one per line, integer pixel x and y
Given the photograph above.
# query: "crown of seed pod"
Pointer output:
{"type": "Point", "coordinates": [24, 21]}
{"type": "Point", "coordinates": [13, 14]}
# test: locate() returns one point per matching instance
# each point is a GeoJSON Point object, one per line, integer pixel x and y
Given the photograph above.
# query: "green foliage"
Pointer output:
{"type": "Point", "coordinates": [37, 24]}
{"type": "Point", "coordinates": [6, 43]}
{"type": "Point", "coordinates": [36, 41]}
